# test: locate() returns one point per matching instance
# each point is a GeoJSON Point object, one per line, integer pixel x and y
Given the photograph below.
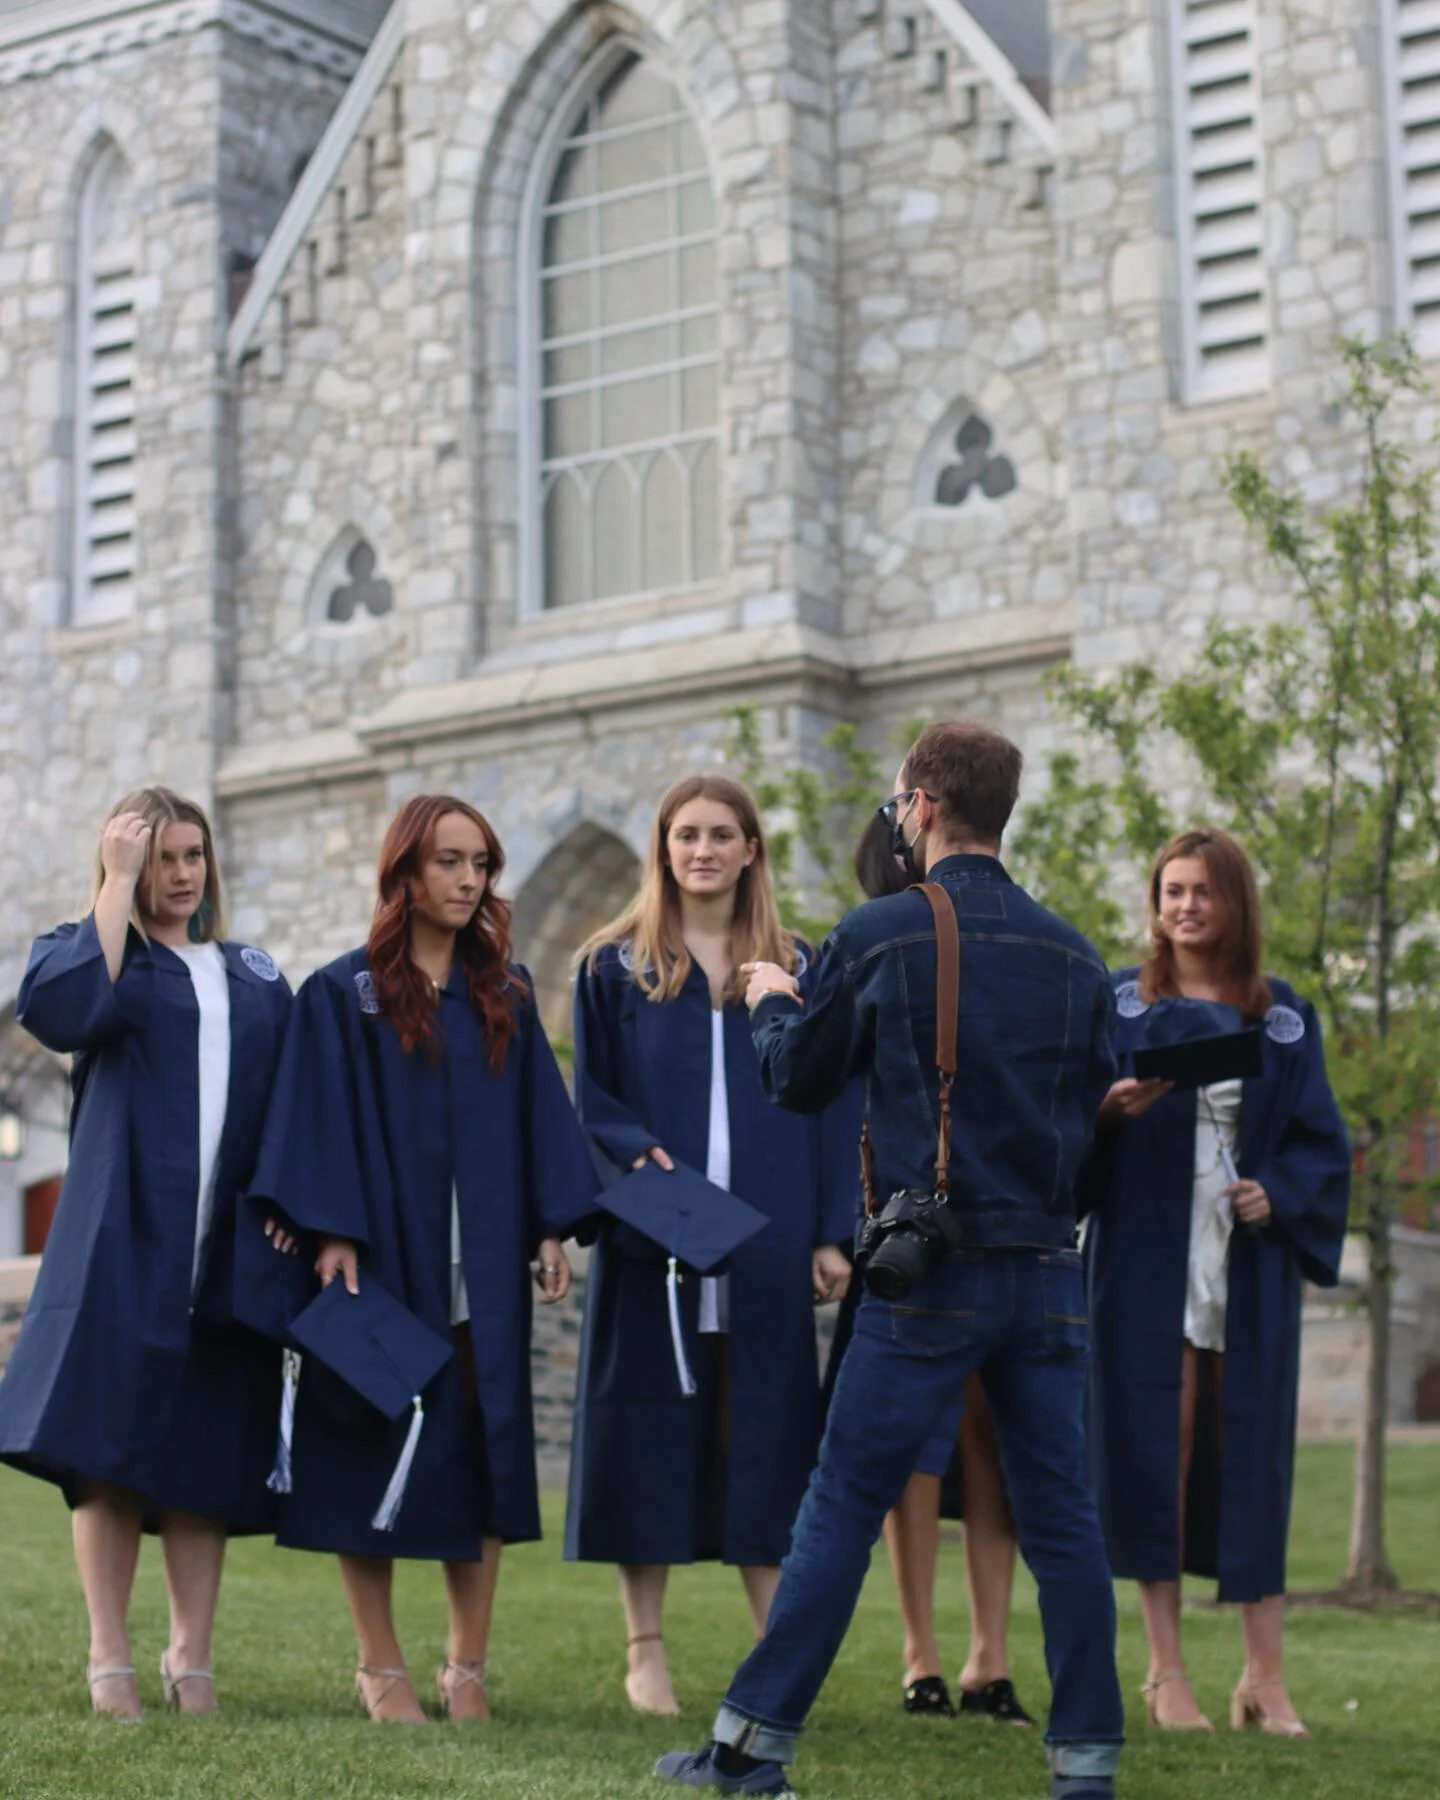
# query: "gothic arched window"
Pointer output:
{"type": "Point", "coordinates": [103, 553]}
{"type": "Point", "coordinates": [624, 484]}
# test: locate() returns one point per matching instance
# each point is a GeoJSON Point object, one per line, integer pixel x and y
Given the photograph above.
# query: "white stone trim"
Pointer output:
{"type": "Point", "coordinates": [1214, 93]}
{"type": "Point", "coordinates": [1413, 175]}
{"type": "Point", "coordinates": [502, 701]}
{"type": "Point", "coordinates": [41, 39]}
{"type": "Point", "coordinates": [320, 174]}
{"type": "Point", "coordinates": [998, 70]}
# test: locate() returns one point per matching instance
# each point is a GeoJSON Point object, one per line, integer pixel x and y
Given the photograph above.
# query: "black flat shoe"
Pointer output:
{"type": "Point", "coordinates": [996, 1700]}
{"type": "Point", "coordinates": [929, 1695]}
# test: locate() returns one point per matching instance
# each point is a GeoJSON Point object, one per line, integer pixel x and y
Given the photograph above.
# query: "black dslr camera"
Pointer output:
{"type": "Point", "coordinates": [903, 1242]}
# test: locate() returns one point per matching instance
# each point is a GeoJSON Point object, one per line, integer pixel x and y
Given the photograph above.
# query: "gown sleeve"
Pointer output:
{"type": "Point", "coordinates": [310, 1162]}
{"type": "Point", "coordinates": [1305, 1169]}
{"type": "Point", "coordinates": [622, 1136]}
{"type": "Point", "coordinates": [67, 999]}
{"type": "Point", "coordinates": [560, 1173]}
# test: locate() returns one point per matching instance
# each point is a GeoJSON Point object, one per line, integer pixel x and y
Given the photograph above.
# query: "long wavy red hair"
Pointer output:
{"type": "Point", "coordinates": [406, 996]}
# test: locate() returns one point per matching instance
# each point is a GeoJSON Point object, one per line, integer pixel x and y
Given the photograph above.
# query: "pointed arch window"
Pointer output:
{"type": "Point", "coordinates": [103, 558]}
{"type": "Point", "coordinates": [623, 472]}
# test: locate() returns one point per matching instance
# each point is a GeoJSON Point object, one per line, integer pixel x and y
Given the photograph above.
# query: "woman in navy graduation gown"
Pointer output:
{"type": "Point", "coordinates": [665, 1068]}
{"type": "Point", "coordinates": [422, 1135]}
{"type": "Point", "coordinates": [130, 1386]}
{"type": "Point", "coordinates": [1210, 1210]}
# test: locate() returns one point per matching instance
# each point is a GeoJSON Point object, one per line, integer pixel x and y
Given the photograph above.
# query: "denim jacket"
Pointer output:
{"type": "Point", "coordinates": [1034, 1050]}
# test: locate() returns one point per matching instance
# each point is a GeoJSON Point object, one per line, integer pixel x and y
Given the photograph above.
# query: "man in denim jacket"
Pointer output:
{"type": "Point", "coordinates": [1034, 1061]}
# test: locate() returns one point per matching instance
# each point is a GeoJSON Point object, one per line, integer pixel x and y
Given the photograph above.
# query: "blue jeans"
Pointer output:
{"type": "Point", "coordinates": [1019, 1317]}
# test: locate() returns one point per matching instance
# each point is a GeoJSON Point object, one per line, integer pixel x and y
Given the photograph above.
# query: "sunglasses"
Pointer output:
{"type": "Point", "coordinates": [891, 809]}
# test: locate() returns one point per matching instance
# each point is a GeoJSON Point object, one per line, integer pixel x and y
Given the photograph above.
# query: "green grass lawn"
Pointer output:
{"type": "Point", "coordinates": [1369, 1686]}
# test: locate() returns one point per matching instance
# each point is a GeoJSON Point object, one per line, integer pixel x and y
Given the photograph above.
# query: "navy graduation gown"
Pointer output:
{"type": "Point", "coordinates": [1137, 1187]}
{"type": "Point", "coordinates": [367, 1142]}
{"type": "Point", "coordinates": [119, 1374]}
{"type": "Point", "coordinates": [645, 1484]}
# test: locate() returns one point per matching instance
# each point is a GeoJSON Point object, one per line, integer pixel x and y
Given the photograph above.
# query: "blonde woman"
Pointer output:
{"type": "Point", "coordinates": [665, 1069]}
{"type": "Point", "coordinates": [129, 1386]}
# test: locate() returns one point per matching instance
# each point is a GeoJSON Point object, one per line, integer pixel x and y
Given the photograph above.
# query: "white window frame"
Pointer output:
{"type": "Point", "coordinates": [529, 330]}
{"type": "Point", "coordinates": [1198, 383]}
{"type": "Point", "coordinates": [113, 483]}
{"type": "Point", "coordinates": [1426, 331]}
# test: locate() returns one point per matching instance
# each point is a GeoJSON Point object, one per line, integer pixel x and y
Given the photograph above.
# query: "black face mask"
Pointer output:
{"type": "Point", "coordinates": [904, 853]}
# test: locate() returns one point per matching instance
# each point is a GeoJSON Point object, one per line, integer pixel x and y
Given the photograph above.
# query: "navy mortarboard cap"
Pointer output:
{"type": "Point", "coordinates": [388, 1356]}
{"type": "Point", "coordinates": [1193, 1043]}
{"type": "Point", "coordinates": [692, 1220]}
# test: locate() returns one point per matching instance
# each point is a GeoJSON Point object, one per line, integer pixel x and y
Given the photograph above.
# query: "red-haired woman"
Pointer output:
{"type": "Point", "coordinates": [665, 1068]}
{"type": "Point", "coordinates": [423, 1139]}
{"type": "Point", "coordinates": [1210, 1209]}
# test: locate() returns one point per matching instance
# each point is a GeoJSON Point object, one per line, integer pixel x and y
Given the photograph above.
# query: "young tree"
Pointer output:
{"type": "Point", "coordinates": [1317, 741]}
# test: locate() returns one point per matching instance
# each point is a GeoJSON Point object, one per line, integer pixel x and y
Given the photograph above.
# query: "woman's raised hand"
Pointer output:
{"type": "Point", "coordinates": [337, 1257]}
{"type": "Point", "coordinates": [1128, 1099]}
{"type": "Point", "coordinates": [553, 1275]}
{"type": "Point", "coordinates": [124, 845]}
{"type": "Point", "coordinates": [654, 1154]}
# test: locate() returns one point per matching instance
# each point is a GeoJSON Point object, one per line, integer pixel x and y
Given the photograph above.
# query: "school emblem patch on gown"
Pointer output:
{"type": "Point", "coordinates": [1283, 1025]}
{"type": "Point", "coordinates": [365, 989]}
{"type": "Point", "coordinates": [1129, 1002]}
{"type": "Point", "coordinates": [258, 963]}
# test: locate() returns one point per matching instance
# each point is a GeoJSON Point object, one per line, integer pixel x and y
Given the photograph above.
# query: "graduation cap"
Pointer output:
{"type": "Point", "coordinates": [1193, 1043]}
{"type": "Point", "coordinates": [380, 1349]}
{"type": "Point", "coordinates": [693, 1221]}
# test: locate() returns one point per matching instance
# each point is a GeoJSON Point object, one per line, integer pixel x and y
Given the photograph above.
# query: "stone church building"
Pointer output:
{"type": "Point", "coordinates": [490, 395]}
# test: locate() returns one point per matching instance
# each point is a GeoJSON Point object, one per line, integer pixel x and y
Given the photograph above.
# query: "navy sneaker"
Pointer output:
{"type": "Point", "coordinates": [696, 1769]}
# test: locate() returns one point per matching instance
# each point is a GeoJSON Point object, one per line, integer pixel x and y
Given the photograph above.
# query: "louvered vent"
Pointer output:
{"type": "Point", "coordinates": [1412, 57]}
{"type": "Point", "coordinates": [104, 557]}
{"type": "Point", "coordinates": [1223, 302]}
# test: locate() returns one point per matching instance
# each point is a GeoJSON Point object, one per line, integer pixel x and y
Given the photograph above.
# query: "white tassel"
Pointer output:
{"type": "Point", "coordinates": [389, 1509]}
{"type": "Point", "coordinates": [280, 1480]}
{"type": "Point", "coordinates": [677, 1336]}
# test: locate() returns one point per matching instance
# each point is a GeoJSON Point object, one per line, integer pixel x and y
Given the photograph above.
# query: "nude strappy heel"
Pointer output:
{"type": "Point", "coordinates": [1151, 1693]}
{"type": "Point", "coordinates": [171, 1683]}
{"type": "Point", "coordinates": [94, 1677]}
{"type": "Point", "coordinates": [1247, 1708]}
{"type": "Point", "coordinates": [660, 1712]}
{"type": "Point", "coordinates": [392, 1679]}
{"type": "Point", "coordinates": [466, 1674]}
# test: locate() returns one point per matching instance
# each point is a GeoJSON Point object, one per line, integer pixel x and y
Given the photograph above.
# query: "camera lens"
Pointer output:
{"type": "Point", "coordinates": [897, 1265]}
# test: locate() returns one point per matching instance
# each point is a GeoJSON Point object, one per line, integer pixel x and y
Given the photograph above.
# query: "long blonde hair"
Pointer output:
{"type": "Point", "coordinates": [159, 807]}
{"type": "Point", "coordinates": [651, 927]}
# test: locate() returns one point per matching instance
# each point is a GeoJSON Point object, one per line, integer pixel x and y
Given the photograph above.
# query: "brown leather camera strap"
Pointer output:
{"type": "Point", "coordinates": [947, 1013]}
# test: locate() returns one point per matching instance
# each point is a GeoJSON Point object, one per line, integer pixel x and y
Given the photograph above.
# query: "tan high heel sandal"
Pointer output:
{"type": "Point", "coordinates": [95, 1677]}
{"type": "Point", "coordinates": [171, 1683]}
{"type": "Point", "coordinates": [1247, 1708]}
{"type": "Point", "coordinates": [660, 1712]}
{"type": "Point", "coordinates": [467, 1674]}
{"type": "Point", "coordinates": [392, 1679]}
{"type": "Point", "coordinates": [1151, 1693]}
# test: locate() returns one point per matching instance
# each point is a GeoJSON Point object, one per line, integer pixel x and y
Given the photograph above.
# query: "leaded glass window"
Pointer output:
{"type": "Point", "coordinates": [629, 349]}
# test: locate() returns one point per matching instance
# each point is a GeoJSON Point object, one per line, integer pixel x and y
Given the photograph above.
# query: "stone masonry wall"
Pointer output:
{"type": "Point", "coordinates": [86, 712]}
